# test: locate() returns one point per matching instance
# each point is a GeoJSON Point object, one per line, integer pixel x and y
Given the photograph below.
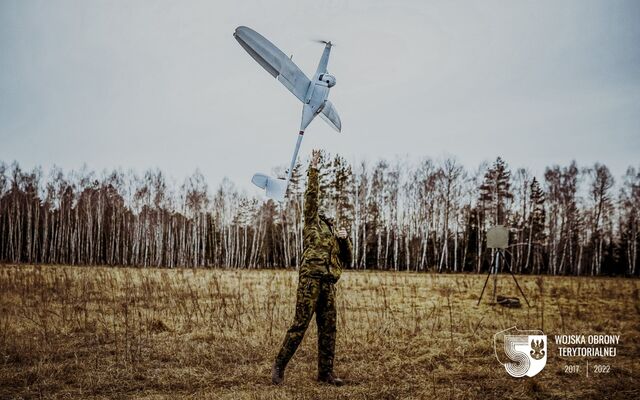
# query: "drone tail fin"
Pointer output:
{"type": "Point", "coordinates": [275, 188]}
{"type": "Point", "coordinates": [331, 117]}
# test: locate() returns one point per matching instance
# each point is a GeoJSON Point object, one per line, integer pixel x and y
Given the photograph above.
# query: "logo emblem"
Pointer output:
{"type": "Point", "coordinates": [523, 352]}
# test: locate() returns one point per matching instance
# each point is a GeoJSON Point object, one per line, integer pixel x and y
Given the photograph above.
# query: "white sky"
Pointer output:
{"type": "Point", "coordinates": [143, 84]}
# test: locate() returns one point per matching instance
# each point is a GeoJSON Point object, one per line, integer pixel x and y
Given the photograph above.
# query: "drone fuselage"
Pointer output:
{"type": "Point", "coordinates": [316, 98]}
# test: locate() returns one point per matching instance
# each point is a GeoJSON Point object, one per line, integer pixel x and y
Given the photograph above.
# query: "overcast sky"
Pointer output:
{"type": "Point", "coordinates": [140, 84]}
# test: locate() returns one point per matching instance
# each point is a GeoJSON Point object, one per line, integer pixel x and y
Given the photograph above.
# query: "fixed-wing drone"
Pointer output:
{"type": "Point", "coordinates": [312, 93]}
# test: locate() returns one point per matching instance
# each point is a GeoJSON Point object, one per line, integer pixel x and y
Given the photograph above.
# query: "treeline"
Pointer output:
{"type": "Point", "coordinates": [424, 216]}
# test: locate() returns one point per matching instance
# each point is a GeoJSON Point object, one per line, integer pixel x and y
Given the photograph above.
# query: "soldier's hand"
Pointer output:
{"type": "Point", "coordinates": [315, 158]}
{"type": "Point", "coordinates": [342, 233]}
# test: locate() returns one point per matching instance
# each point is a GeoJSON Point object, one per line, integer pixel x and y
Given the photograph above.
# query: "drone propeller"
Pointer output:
{"type": "Point", "coordinates": [323, 41]}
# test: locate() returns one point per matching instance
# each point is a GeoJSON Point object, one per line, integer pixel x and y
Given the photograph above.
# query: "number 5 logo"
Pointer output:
{"type": "Point", "coordinates": [524, 352]}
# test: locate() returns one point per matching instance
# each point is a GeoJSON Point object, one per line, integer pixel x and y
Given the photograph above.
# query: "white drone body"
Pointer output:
{"type": "Point", "coordinates": [312, 93]}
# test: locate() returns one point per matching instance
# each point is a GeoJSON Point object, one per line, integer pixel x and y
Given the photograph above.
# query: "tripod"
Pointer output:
{"type": "Point", "coordinates": [494, 269]}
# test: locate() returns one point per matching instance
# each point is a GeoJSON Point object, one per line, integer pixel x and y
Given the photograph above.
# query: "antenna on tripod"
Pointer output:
{"type": "Point", "coordinates": [498, 240]}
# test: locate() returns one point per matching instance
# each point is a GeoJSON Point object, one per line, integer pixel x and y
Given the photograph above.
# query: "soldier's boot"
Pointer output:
{"type": "Point", "coordinates": [277, 373]}
{"type": "Point", "coordinates": [330, 379]}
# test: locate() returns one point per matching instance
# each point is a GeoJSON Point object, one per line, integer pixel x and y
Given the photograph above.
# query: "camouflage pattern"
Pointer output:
{"type": "Point", "coordinates": [313, 295]}
{"type": "Point", "coordinates": [324, 253]}
{"type": "Point", "coordinates": [323, 259]}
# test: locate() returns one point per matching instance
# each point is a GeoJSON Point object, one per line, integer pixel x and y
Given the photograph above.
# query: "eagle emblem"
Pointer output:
{"type": "Point", "coordinates": [537, 349]}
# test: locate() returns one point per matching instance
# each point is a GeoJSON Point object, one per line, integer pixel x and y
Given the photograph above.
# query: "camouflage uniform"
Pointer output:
{"type": "Point", "coordinates": [324, 256]}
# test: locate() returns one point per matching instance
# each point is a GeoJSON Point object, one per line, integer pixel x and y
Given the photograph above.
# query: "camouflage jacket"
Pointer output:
{"type": "Point", "coordinates": [325, 255]}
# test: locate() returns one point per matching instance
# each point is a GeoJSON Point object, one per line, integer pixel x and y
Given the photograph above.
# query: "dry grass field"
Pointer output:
{"type": "Point", "coordinates": [88, 332]}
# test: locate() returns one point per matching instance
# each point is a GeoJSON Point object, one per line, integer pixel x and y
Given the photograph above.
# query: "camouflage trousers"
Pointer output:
{"type": "Point", "coordinates": [313, 295]}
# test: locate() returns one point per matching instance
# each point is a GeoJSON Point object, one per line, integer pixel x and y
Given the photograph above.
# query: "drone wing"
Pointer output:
{"type": "Point", "coordinates": [273, 60]}
{"type": "Point", "coordinates": [330, 116]}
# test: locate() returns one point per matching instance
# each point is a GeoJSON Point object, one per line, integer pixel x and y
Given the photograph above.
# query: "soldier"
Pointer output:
{"type": "Point", "coordinates": [326, 252]}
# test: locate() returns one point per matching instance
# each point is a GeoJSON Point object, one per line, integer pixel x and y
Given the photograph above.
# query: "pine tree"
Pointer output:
{"type": "Point", "coordinates": [343, 193]}
{"type": "Point", "coordinates": [496, 190]}
{"type": "Point", "coordinates": [535, 226]}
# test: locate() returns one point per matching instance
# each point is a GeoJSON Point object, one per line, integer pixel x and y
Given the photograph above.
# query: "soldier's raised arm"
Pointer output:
{"type": "Point", "coordinates": [311, 194]}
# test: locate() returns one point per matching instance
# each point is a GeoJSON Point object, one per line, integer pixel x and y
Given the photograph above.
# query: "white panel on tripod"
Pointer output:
{"type": "Point", "coordinates": [498, 237]}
